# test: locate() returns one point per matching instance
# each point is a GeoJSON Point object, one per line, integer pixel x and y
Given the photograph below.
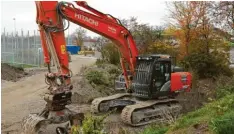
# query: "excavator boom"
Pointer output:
{"type": "Point", "coordinates": [50, 17]}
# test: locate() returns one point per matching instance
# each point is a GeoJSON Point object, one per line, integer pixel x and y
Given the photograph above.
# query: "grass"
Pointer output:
{"type": "Point", "coordinates": [22, 65]}
{"type": "Point", "coordinates": [217, 116]}
{"type": "Point", "coordinates": [155, 130]}
{"type": "Point", "coordinates": [223, 124]}
{"type": "Point", "coordinates": [212, 111]}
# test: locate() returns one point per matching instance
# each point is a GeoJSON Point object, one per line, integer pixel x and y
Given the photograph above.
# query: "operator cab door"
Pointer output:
{"type": "Point", "coordinates": [161, 75]}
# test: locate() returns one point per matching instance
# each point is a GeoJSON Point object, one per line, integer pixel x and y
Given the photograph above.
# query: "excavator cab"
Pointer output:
{"type": "Point", "coordinates": [152, 79]}
{"type": "Point", "coordinates": [157, 76]}
{"type": "Point", "coordinates": [153, 76]}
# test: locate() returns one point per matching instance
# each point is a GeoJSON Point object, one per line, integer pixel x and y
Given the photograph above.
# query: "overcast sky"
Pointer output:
{"type": "Point", "coordinates": [147, 11]}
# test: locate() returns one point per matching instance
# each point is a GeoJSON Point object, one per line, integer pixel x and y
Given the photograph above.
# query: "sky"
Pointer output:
{"type": "Point", "coordinates": [148, 11]}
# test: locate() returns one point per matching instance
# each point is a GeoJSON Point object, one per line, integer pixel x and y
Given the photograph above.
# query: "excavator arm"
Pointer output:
{"type": "Point", "coordinates": [50, 16]}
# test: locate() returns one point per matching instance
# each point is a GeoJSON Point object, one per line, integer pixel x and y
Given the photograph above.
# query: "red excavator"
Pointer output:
{"type": "Point", "coordinates": [151, 82]}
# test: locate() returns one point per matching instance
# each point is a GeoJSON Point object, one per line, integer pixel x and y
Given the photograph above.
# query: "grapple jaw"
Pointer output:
{"type": "Point", "coordinates": [34, 124]}
{"type": "Point", "coordinates": [37, 123]}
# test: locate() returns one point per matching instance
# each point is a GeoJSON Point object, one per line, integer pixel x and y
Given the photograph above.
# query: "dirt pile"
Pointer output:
{"type": "Point", "coordinates": [11, 73]}
{"type": "Point", "coordinates": [83, 92]}
{"type": "Point", "coordinates": [85, 84]}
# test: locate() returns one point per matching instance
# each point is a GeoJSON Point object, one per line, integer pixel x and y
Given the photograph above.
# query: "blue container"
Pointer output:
{"type": "Point", "coordinates": [73, 49]}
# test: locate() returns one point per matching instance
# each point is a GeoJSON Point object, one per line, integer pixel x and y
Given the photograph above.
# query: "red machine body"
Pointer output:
{"type": "Point", "coordinates": [181, 81]}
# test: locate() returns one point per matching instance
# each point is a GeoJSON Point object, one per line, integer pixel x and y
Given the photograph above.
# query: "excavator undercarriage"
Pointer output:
{"type": "Point", "coordinates": [138, 112]}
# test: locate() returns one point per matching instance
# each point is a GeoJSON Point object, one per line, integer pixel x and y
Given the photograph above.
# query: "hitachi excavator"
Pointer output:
{"type": "Point", "coordinates": [150, 81]}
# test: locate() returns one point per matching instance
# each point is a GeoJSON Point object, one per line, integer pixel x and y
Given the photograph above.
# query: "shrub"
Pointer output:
{"type": "Point", "coordinates": [95, 124]}
{"type": "Point", "coordinates": [96, 77]}
{"type": "Point", "coordinates": [207, 65]}
{"type": "Point", "coordinates": [92, 125]}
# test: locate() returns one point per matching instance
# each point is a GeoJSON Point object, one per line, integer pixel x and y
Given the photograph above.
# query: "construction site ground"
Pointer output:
{"type": "Point", "coordinates": [26, 96]}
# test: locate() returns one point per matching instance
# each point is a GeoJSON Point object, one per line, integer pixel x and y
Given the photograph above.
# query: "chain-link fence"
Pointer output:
{"type": "Point", "coordinates": [21, 48]}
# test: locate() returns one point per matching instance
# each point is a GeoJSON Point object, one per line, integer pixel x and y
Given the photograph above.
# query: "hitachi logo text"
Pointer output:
{"type": "Point", "coordinates": [84, 18]}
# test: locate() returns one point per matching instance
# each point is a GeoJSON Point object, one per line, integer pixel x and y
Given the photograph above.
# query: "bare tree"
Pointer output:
{"type": "Point", "coordinates": [79, 35]}
{"type": "Point", "coordinates": [143, 34]}
{"type": "Point", "coordinates": [224, 14]}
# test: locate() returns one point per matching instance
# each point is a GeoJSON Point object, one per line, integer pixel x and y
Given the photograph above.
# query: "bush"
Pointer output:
{"type": "Point", "coordinates": [207, 65]}
{"type": "Point", "coordinates": [92, 125]}
{"type": "Point", "coordinates": [96, 77]}
{"type": "Point", "coordinates": [95, 124]}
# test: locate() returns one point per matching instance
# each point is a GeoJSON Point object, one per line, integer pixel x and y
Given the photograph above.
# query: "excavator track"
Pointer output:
{"type": "Point", "coordinates": [98, 105]}
{"type": "Point", "coordinates": [146, 112]}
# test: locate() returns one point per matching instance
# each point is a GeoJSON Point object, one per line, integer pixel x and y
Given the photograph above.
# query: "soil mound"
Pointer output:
{"type": "Point", "coordinates": [85, 90]}
{"type": "Point", "coordinates": [11, 73]}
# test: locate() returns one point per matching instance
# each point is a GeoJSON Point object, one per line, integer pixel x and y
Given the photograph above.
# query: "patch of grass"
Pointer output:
{"type": "Point", "coordinates": [223, 124]}
{"type": "Point", "coordinates": [214, 110]}
{"type": "Point", "coordinates": [155, 130]}
{"type": "Point", "coordinates": [22, 65]}
{"type": "Point", "coordinates": [225, 89]}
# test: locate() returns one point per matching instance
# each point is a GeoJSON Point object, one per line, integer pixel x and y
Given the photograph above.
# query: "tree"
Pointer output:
{"type": "Point", "coordinates": [78, 36]}
{"type": "Point", "coordinates": [185, 17]}
{"type": "Point", "coordinates": [109, 52]}
{"type": "Point", "coordinates": [100, 43]}
{"type": "Point", "coordinates": [143, 34]}
{"type": "Point", "coordinates": [223, 13]}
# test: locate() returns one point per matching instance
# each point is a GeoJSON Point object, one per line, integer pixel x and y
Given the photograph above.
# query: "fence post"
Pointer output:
{"type": "Point", "coordinates": [12, 45]}
{"type": "Point", "coordinates": [4, 45]}
{"type": "Point", "coordinates": [7, 42]}
{"type": "Point", "coordinates": [17, 47]}
{"type": "Point", "coordinates": [22, 45]}
{"type": "Point", "coordinates": [34, 42]}
{"type": "Point", "coordinates": [28, 46]}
